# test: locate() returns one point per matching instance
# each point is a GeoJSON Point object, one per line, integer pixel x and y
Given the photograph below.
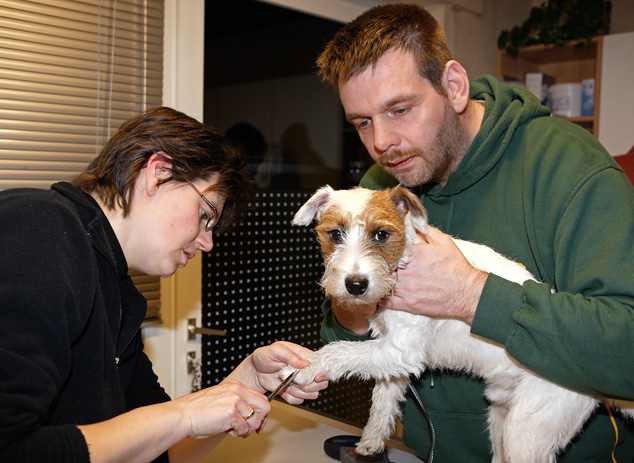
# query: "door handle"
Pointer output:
{"type": "Point", "coordinates": [193, 330]}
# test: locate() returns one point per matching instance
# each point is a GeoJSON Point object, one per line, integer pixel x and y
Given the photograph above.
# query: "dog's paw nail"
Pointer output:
{"type": "Point", "coordinates": [285, 372]}
{"type": "Point", "coordinates": [369, 448]}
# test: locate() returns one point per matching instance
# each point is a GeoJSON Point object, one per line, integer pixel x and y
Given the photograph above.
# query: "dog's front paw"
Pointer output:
{"type": "Point", "coordinates": [302, 378]}
{"type": "Point", "coordinates": [368, 446]}
{"type": "Point", "coordinates": [286, 372]}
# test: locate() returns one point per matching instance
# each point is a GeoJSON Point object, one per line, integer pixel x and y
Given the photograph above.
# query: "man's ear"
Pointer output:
{"type": "Point", "coordinates": [157, 170]}
{"type": "Point", "coordinates": [456, 83]}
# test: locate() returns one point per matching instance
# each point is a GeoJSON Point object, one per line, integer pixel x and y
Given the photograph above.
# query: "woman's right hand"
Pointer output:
{"type": "Point", "coordinates": [223, 408]}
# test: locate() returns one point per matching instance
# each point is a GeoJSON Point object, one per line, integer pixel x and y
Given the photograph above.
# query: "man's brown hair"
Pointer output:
{"type": "Point", "coordinates": [364, 40]}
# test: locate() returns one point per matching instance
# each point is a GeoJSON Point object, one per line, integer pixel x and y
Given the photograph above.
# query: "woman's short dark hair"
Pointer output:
{"type": "Point", "coordinates": [195, 150]}
{"type": "Point", "coordinates": [361, 43]}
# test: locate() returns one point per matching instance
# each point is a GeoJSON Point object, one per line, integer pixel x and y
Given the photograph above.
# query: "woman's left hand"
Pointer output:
{"type": "Point", "coordinates": [260, 371]}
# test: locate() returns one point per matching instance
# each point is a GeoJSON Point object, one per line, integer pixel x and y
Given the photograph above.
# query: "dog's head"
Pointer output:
{"type": "Point", "coordinates": [364, 236]}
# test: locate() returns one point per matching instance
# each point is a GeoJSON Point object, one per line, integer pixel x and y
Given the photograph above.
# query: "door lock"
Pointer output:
{"type": "Point", "coordinates": [194, 366]}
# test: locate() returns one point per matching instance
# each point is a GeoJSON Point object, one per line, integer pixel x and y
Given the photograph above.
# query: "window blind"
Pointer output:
{"type": "Point", "coordinates": [71, 72]}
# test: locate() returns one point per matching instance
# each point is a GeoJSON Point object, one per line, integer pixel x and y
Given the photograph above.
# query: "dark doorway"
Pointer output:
{"type": "Point", "coordinates": [261, 283]}
{"type": "Point", "coordinates": [248, 40]}
{"type": "Point", "coordinates": [262, 90]}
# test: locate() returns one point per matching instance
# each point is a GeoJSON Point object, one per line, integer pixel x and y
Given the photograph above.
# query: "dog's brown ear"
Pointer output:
{"type": "Point", "coordinates": [406, 201]}
{"type": "Point", "coordinates": [311, 208]}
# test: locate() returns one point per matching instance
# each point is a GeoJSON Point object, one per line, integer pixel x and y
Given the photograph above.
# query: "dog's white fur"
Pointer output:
{"type": "Point", "coordinates": [530, 419]}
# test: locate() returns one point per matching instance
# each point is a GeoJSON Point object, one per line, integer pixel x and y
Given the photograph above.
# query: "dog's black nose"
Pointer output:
{"type": "Point", "coordinates": [356, 285]}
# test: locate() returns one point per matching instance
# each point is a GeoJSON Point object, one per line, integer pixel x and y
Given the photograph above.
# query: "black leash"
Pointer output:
{"type": "Point", "coordinates": [430, 454]}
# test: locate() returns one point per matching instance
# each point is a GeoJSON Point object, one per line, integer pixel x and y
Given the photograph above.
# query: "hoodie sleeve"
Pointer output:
{"type": "Point", "coordinates": [581, 336]}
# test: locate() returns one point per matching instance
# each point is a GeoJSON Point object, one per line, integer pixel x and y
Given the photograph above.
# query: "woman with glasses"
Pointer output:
{"type": "Point", "coordinates": [75, 385]}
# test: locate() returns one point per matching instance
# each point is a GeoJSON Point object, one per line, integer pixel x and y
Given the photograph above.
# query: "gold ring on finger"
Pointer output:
{"type": "Point", "coordinates": [246, 418]}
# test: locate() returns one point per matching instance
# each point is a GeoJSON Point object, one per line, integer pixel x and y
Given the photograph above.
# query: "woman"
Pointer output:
{"type": "Point", "coordinates": [75, 384]}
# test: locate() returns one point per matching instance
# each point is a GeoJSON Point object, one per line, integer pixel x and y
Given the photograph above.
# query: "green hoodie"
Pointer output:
{"type": "Point", "coordinates": [545, 193]}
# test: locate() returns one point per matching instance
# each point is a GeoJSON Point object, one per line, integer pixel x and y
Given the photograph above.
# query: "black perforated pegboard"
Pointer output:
{"type": "Point", "coordinates": [261, 284]}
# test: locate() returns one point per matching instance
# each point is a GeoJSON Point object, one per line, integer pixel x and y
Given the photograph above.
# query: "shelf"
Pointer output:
{"type": "Point", "coordinates": [553, 53]}
{"type": "Point", "coordinates": [579, 120]}
{"type": "Point", "coordinates": [568, 63]}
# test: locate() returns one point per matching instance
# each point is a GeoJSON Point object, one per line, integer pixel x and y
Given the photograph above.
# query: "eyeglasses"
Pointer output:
{"type": "Point", "coordinates": [211, 220]}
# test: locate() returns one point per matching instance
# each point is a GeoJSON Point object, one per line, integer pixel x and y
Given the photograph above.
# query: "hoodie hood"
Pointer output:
{"type": "Point", "coordinates": [506, 109]}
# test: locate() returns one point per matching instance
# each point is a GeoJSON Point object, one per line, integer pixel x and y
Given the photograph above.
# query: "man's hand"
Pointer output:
{"type": "Point", "coordinates": [438, 281]}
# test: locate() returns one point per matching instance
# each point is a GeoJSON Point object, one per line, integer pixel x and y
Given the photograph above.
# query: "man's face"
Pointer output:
{"type": "Point", "coordinates": [410, 130]}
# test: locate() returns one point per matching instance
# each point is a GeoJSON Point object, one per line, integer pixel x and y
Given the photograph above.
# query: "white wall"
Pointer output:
{"type": "Point", "coordinates": [616, 111]}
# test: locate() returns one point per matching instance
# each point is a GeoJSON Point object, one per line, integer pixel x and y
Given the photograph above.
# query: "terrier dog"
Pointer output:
{"type": "Point", "coordinates": [365, 235]}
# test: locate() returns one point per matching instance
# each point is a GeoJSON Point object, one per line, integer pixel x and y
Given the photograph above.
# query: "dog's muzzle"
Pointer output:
{"type": "Point", "coordinates": [356, 285]}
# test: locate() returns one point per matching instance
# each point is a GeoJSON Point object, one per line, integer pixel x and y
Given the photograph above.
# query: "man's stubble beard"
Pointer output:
{"type": "Point", "coordinates": [449, 145]}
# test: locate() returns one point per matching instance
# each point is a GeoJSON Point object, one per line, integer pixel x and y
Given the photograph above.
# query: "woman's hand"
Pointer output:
{"type": "Point", "coordinates": [227, 407]}
{"type": "Point", "coordinates": [184, 426]}
{"type": "Point", "coordinates": [260, 371]}
{"type": "Point", "coordinates": [223, 409]}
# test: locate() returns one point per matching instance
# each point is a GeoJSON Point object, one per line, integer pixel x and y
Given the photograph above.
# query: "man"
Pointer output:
{"type": "Point", "coordinates": [491, 166]}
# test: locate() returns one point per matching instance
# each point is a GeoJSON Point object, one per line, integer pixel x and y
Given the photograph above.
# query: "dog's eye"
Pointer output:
{"type": "Point", "coordinates": [336, 235]}
{"type": "Point", "coordinates": [381, 236]}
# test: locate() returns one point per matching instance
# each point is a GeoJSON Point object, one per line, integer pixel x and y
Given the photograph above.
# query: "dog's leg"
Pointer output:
{"type": "Point", "coordinates": [542, 419]}
{"type": "Point", "coordinates": [386, 396]}
{"type": "Point", "coordinates": [500, 390]}
{"type": "Point", "coordinates": [497, 418]}
{"type": "Point", "coordinates": [373, 359]}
